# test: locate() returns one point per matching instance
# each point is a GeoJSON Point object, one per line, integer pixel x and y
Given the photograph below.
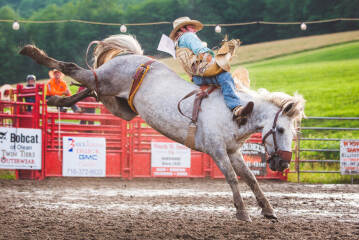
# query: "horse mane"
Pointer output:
{"type": "Point", "coordinates": [281, 100]}
{"type": "Point", "coordinates": [113, 46]}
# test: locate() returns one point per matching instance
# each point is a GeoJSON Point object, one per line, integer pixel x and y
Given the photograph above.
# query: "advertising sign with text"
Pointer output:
{"type": "Point", "coordinates": [84, 157]}
{"type": "Point", "coordinates": [20, 148]}
{"type": "Point", "coordinates": [169, 159]}
{"type": "Point", "coordinates": [349, 157]}
{"type": "Point", "coordinates": [254, 156]}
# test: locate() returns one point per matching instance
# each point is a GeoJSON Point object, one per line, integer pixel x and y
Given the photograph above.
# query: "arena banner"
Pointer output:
{"type": "Point", "coordinates": [20, 148]}
{"type": "Point", "coordinates": [254, 156]}
{"type": "Point", "coordinates": [170, 159]}
{"type": "Point", "coordinates": [84, 157]}
{"type": "Point", "coordinates": [349, 157]}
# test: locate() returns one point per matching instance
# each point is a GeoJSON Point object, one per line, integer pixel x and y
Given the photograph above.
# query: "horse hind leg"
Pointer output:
{"type": "Point", "coordinates": [245, 173]}
{"type": "Point", "coordinates": [68, 68]}
{"type": "Point", "coordinates": [39, 56]}
{"type": "Point", "coordinates": [222, 160]}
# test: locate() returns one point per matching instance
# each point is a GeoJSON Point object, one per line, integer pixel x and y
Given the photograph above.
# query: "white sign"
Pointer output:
{"type": "Point", "coordinates": [169, 159]}
{"type": "Point", "coordinates": [84, 157]}
{"type": "Point", "coordinates": [167, 45]}
{"type": "Point", "coordinates": [349, 157]}
{"type": "Point", "coordinates": [20, 148]}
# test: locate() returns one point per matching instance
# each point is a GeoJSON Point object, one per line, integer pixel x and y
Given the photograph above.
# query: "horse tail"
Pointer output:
{"type": "Point", "coordinates": [113, 46]}
{"type": "Point", "coordinates": [241, 78]}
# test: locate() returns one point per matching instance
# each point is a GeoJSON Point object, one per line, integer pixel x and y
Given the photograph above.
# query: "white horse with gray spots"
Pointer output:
{"type": "Point", "coordinates": [116, 59]}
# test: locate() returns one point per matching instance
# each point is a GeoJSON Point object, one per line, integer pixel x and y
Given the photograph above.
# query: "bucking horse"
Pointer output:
{"type": "Point", "coordinates": [116, 60]}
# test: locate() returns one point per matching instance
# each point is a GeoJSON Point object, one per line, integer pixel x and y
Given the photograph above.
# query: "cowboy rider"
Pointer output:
{"type": "Point", "coordinates": [205, 67]}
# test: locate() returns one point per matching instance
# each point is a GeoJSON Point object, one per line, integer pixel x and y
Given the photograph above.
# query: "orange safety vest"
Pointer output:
{"type": "Point", "coordinates": [56, 89]}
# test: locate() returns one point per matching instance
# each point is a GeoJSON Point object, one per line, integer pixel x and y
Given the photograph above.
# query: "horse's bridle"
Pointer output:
{"type": "Point", "coordinates": [285, 155]}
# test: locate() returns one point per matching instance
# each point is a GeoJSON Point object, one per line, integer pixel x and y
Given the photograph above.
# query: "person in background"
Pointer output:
{"type": "Point", "coordinates": [87, 110]}
{"type": "Point", "coordinates": [30, 83]}
{"type": "Point", "coordinates": [206, 68]}
{"type": "Point", "coordinates": [56, 86]}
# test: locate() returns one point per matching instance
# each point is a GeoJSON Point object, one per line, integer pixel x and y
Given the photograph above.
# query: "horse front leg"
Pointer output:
{"type": "Point", "coordinates": [222, 160]}
{"type": "Point", "coordinates": [245, 173]}
{"type": "Point", "coordinates": [70, 100]}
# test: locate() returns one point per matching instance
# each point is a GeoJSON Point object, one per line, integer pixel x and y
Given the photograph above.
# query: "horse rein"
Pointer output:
{"type": "Point", "coordinates": [285, 155]}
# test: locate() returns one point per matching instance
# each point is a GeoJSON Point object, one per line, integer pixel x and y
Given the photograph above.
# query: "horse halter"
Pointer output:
{"type": "Point", "coordinates": [285, 155]}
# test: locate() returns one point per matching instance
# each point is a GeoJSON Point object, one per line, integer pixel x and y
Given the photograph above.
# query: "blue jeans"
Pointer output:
{"type": "Point", "coordinates": [226, 82]}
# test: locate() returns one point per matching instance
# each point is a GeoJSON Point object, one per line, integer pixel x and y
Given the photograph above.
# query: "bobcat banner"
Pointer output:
{"type": "Point", "coordinates": [20, 148]}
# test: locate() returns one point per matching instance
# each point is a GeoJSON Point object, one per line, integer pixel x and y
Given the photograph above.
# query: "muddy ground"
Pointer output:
{"type": "Point", "coordinates": [87, 208]}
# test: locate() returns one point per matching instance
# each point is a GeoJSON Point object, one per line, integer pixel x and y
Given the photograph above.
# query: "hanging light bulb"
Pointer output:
{"type": "Point", "coordinates": [123, 28]}
{"type": "Point", "coordinates": [218, 29]}
{"type": "Point", "coordinates": [16, 25]}
{"type": "Point", "coordinates": [303, 26]}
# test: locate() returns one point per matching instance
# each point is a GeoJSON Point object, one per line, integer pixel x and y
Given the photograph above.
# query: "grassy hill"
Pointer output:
{"type": "Point", "coordinates": [328, 78]}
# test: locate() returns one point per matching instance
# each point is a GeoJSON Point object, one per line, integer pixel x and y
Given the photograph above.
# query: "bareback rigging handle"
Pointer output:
{"type": "Point", "coordinates": [185, 97]}
{"type": "Point", "coordinates": [200, 94]}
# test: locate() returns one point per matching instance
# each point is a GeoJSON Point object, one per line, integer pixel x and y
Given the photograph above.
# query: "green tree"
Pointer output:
{"type": "Point", "coordinates": [13, 67]}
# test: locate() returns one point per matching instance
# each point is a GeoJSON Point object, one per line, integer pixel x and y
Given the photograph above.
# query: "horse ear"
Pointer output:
{"type": "Point", "coordinates": [287, 109]}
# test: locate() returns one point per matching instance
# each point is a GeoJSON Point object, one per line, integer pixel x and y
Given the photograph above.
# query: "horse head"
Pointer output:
{"type": "Point", "coordinates": [279, 129]}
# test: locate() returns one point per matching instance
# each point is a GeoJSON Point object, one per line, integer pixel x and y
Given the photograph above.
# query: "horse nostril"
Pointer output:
{"type": "Point", "coordinates": [274, 163]}
{"type": "Point", "coordinates": [284, 166]}
{"type": "Point", "coordinates": [277, 163]}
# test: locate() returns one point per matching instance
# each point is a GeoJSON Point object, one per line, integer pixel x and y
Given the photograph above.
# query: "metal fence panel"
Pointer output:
{"type": "Point", "coordinates": [299, 142]}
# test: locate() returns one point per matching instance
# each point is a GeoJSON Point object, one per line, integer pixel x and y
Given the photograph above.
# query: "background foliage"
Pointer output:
{"type": "Point", "coordinates": [68, 41]}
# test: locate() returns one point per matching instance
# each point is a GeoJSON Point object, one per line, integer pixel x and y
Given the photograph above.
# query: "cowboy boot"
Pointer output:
{"type": "Point", "coordinates": [241, 113]}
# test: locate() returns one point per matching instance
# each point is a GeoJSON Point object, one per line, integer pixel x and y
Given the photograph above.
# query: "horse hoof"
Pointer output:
{"type": "Point", "coordinates": [53, 100]}
{"type": "Point", "coordinates": [27, 50]}
{"type": "Point", "coordinates": [269, 214]}
{"type": "Point", "coordinates": [271, 217]}
{"type": "Point", "coordinates": [243, 216]}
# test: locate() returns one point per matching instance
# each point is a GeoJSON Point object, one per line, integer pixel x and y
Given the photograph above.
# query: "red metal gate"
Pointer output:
{"type": "Point", "coordinates": [128, 144]}
{"type": "Point", "coordinates": [20, 114]}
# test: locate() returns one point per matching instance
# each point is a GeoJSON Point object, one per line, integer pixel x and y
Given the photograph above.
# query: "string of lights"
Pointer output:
{"type": "Point", "coordinates": [123, 28]}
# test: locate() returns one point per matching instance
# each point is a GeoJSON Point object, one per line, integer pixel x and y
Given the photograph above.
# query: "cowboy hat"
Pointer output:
{"type": "Point", "coordinates": [52, 73]}
{"type": "Point", "coordinates": [184, 21]}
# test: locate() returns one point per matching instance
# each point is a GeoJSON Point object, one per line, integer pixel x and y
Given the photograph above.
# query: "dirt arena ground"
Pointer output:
{"type": "Point", "coordinates": [78, 208]}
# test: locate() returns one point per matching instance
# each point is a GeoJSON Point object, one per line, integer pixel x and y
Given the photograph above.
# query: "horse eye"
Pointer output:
{"type": "Point", "coordinates": [281, 130]}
